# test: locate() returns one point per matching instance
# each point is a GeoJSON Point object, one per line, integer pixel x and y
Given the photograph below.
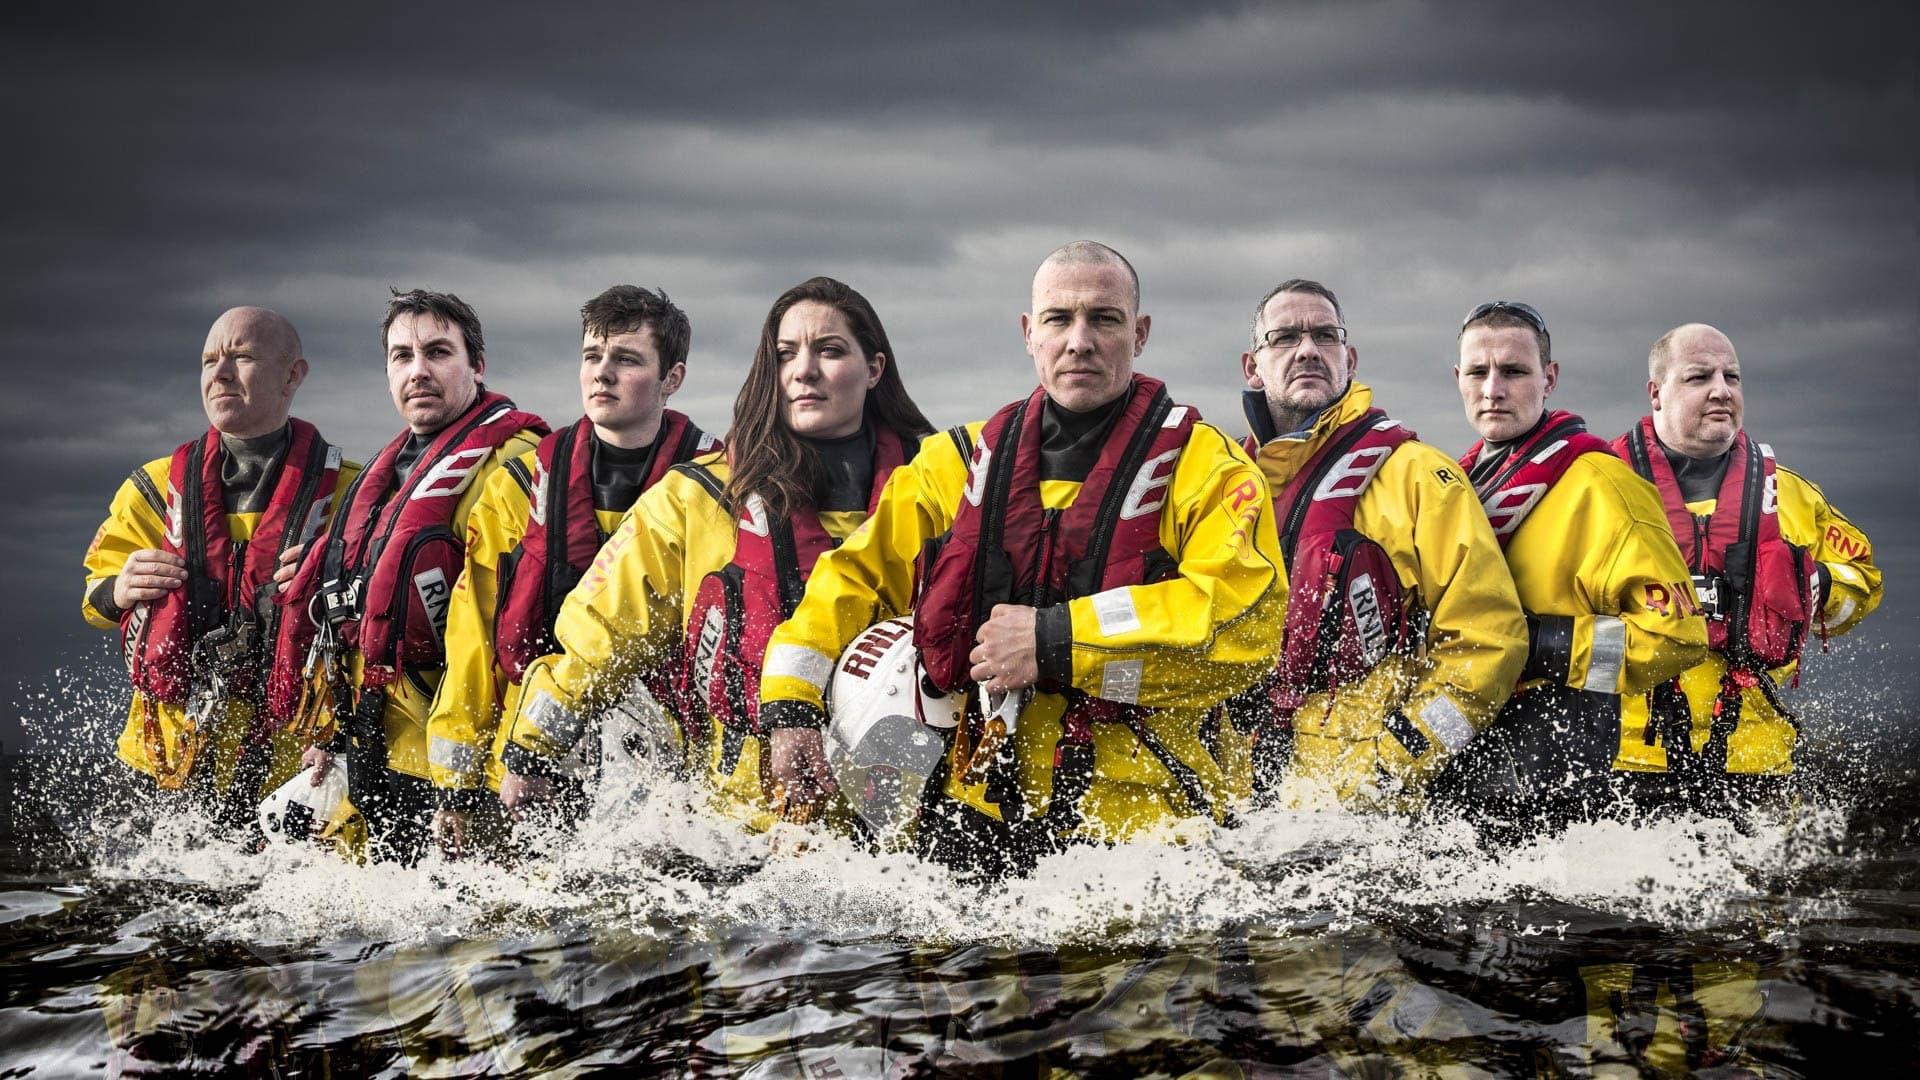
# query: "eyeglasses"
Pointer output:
{"type": "Point", "coordinates": [1526, 312]}
{"type": "Point", "coordinates": [1288, 337]}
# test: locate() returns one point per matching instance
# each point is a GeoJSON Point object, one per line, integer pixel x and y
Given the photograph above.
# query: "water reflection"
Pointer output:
{"type": "Point", "coordinates": [1358, 1002]}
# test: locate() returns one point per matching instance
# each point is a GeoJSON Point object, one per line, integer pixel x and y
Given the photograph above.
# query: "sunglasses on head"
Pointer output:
{"type": "Point", "coordinates": [1526, 312]}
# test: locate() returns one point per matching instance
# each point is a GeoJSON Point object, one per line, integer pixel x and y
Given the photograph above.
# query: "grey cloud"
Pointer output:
{"type": "Point", "coordinates": [1625, 168]}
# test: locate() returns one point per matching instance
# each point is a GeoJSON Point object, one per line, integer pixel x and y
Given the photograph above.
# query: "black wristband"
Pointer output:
{"type": "Point", "coordinates": [775, 715]}
{"type": "Point", "coordinates": [1053, 644]}
{"type": "Point", "coordinates": [464, 800]}
{"type": "Point", "coordinates": [101, 598]}
{"type": "Point", "coordinates": [1549, 648]}
{"type": "Point", "coordinates": [519, 759]}
{"type": "Point", "coordinates": [1826, 587]}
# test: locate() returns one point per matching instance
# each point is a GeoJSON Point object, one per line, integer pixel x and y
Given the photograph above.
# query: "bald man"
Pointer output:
{"type": "Point", "coordinates": [184, 566]}
{"type": "Point", "coordinates": [1108, 573]}
{"type": "Point", "coordinates": [1773, 564]}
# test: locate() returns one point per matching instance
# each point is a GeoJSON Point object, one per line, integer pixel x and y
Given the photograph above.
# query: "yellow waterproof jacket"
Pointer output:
{"type": "Point", "coordinates": [136, 520]}
{"type": "Point", "coordinates": [1422, 510]}
{"type": "Point", "coordinates": [1200, 637]}
{"type": "Point", "coordinates": [475, 693]}
{"type": "Point", "coordinates": [1598, 549]}
{"type": "Point", "coordinates": [410, 699]}
{"type": "Point", "coordinates": [1763, 741]}
{"type": "Point", "coordinates": [628, 616]}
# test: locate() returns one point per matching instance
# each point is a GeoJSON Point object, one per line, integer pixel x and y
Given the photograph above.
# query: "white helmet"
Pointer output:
{"type": "Point", "coordinates": [882, 741]}
{"type": "Point", "coordinates": [299, 810]}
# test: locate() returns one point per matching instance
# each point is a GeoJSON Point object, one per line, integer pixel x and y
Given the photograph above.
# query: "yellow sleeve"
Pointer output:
{"type": "Point", "coordinates": [626, 614]}
{"type": "Point", "coordinates": [466, 708]}
{"type": "Point", "coordinates": [1197, 638]}
{"type": "Point", "coordinates": [136, 520]}
{"type": "Point", "coordinates": [1639, 628]}
{"type": "Point", "coordinates": [1477, 637]}
{"type": "Point", "coordinates": [868, 578]}
{"type": "Point", "coordinates": [1843, 551]}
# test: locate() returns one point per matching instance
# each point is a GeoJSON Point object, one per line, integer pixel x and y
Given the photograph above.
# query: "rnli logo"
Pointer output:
{"type": "Point", "coordinates": [431, 586]}
{"type": "Point", "coordinates": [707, 648]}
{"type": "Point", "coordinates": [1363, 601]}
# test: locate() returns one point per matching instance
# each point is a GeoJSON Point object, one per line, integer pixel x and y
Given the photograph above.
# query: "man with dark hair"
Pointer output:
{"type": "Point", "coordinates": [1106, 574]}
{"type": "Point", "coordinates": [361, 682]}
{"type": "Point", "coordinates": [1404, 634]}
{"type": "Point", "coordinates": [185, 564]}
{"type": "Point", "coordinates": [1604, 587]}
{"type": "Point", "coordinates": [537, 527]}
{"type": "Point", "coordinates": [1772, 563]}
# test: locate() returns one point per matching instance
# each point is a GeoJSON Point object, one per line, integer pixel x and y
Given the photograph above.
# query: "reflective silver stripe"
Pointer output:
{"type": "Point", "coordinates": [554, 721]}
{"type": "Point", "coordinates": [1120, 680]}
{"type": "Point", "coordinates": [1847, 605]}
{"type": "Point", "coordinates": [1842, 572]}
{"type": "Point", "coordinates": [455, 757]}
{"type": "Point", "coordinates": [1447, 723]}
{"type": "Point", "coordinates": [799, 662]}
{"type": "Point", "coordinates": [1609, 652]}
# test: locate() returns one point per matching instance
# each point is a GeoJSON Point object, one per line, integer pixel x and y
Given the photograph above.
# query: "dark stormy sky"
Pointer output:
{"type": "Point", "coordinates": [1625, 169]}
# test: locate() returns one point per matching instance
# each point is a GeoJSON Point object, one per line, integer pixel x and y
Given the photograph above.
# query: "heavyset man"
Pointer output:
{"type": "Point", "coordinates": [1107, 565]}
{"type": "Point", "coordinates": [1596, 568]}
{"type": "Point", "coordinates": [184, 565]}
{"type": "Point", "coordinates": [1403, 633]}
{"type": "Point", "coordinates": [1772, 563]}
{"type": "Point", "coordinates": [361, 648]}
{"type": "Point", "coordinates": [540, 521]}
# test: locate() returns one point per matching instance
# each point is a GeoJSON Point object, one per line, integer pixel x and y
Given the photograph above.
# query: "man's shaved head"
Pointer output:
{"type": "Point", "coordinates": [249, 369]}
{"type": "Point", "coordinates": [1683, 340]}
{"type": "Point", "coordinates": [1092, 251]}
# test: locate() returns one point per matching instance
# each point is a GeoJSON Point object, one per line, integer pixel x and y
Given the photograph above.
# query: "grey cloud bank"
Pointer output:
{"type": "Point", "coordinates": [1624, 169]}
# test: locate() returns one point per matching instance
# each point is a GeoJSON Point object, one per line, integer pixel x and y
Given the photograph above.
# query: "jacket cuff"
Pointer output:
{"type": "Point", "coordinates": [775, 715]}
{"type": "Point", "coordinates": [1824, 586]}
{"type": "Point", "coordinates": [464, 800]}
{"type": "Point", "coordinates": [101, 599]}
{"type": "Point", "coordinates": [519, 759]}
{"type": "Point", "coordinates": [1549, 649]}
{"type": "Point", "coordinates": [1053, 644]}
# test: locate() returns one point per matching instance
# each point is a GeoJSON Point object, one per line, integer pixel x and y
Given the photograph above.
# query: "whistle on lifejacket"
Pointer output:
{"type": "Point", "coordinates": [1001, 719]}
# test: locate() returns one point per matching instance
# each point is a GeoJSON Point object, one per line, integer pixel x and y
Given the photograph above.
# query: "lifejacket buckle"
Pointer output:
{"type": "Point", "coordinates": [1707, 590]}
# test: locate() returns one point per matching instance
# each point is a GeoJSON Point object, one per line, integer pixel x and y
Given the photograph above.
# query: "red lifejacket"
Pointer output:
{"type": "Point", "coordinates": [1756, 585]}
{"type": "Point", "coordinates": [227, 579]}
{"type": "Point", "coordinates": [388, 567]}
{"type": "Point", "coordinates": [1531, 470]}
{"type": "Point", "coordinates": [1006, 547]}
{"type": "Point", "coordinates": [563, 533]}
{"type": "Point", "coordinates": [1346, 608]}
{"type": "Point", "coordinates": [738, 606]}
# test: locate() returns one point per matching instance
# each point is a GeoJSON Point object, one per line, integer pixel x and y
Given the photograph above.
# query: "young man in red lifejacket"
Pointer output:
{"type": "Point", "coordinates": [184, 566]}
{"type": "Point", "coordinates": [1106, 574]}
{"type": "Point", "coordinates": [1403, 633]}
{"type": "Point", "coordinates": [1773, 565]}
{"type": "Point", "coordinates": [537, 527]}
{"type": "Point", "coordinates": [1597, 572]}
{"type": "Point", "coordinates": [361, 647]}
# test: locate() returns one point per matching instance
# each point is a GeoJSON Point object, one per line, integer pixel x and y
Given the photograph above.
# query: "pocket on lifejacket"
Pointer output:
{"type": "Point", "coordinates": [429, 566]}
{"type": "Point", "coordinates": [713, 684]}
{"type": "Point", "coordinates": [1780, 608]}
{"type": "Point", "coordinates": [1370, 607]}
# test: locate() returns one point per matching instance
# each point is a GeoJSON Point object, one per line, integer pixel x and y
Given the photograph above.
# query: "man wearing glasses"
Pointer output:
{"type": "Point", "coordinates": [1607, 595]}
{"type": "Point", "coordinates": [1403, 634]}
{"type": "Point", "coordinates": [1772, 563]}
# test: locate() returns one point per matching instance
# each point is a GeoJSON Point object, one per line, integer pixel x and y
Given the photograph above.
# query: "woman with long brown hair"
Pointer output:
{"type": "Point", "coordinates": [714, 556]}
